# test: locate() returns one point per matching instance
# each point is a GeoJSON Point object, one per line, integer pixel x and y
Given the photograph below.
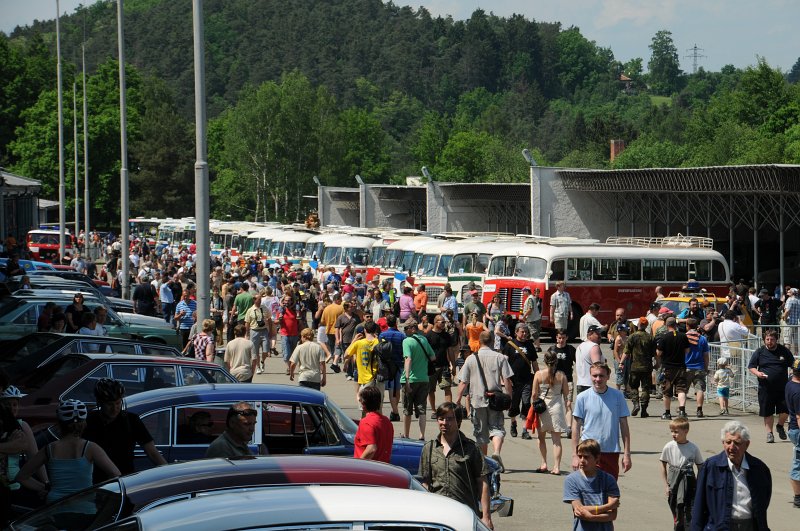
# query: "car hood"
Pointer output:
{"type": "Point", "coordinates": [121, 303]}
{"type": "Point", "coordinates": [143, 320]}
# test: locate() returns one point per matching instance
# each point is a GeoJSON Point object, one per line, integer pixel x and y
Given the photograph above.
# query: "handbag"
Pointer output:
{"type": "Point", "coordinates": [498, 400]}
{"type": "Point", "coordinates": [539, 405]}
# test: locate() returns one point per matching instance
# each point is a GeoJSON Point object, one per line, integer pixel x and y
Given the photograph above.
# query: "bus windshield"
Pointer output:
{"type": "Point", "coordinates": [518, 266]}
{"type": "Point", "coordinates": [355, 255]}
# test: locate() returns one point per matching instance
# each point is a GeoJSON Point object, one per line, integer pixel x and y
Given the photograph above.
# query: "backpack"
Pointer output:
{"type": "Point", "coordinates": [387, 368]}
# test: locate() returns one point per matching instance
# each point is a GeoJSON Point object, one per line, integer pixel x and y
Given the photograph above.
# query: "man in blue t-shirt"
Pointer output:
{"type": "Point", "coordinates": [601, 413]}
{"type": "Point", "coordinates": [793, 405]}
{"type": "Point", "coordinates": [395, 337]}
{"type": "Point", "coordinates": [696, 362]}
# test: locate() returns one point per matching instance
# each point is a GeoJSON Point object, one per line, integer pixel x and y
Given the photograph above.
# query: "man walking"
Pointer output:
{"type": "Point", "coordinates": [696, 362]}
{"type": "Point", "coordinates": [452, 465]}
{"type": "Point", "coordinates": [257, 321]}
{"type": "Point", "coordinates": [239, 359]}
{"type": "Point", "coordinates": [601, 413]}
{"type": "Point", "coordinates": [494, 374]}
{"type": "Point", "coordinates": [417, 353]}
{"type": "Point", "coordinates": [671, 351]}
{"type": "Point", "coordinates": [395, 337]}
{"type": "Point", "coordinates": [308, 362]}
{"type": "Point", "coordinates": [586, 354]}
{"type": "Point", "coordinates": [560, 307]}
{"type": "Point", "coordinates": [640, 350]}
{"type": "Point", "coordinates": [532, 314]}
{"type": "Point", "coordinates": [771, 364]}
{"type": "Point", "coordinates": [167, 300]}
{"type": "Point", "coordinates": [444, 364]}
{"type": "Point", "coordinates": [375, 431]}
{"type": "Point", "coordinates": [521, 354]}
{"type": "Point", "coordinates": [793, 405]}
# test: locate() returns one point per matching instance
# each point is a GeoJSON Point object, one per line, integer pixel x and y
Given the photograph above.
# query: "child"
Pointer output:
{"type": "Point", "coordinates": [474, 329]}
{"type": "Point", "coordinates": [723, 378]}
{"type": "Point", "coordinates": [594, 494]}
{"type": "Point", "coordinates": [677, 459]}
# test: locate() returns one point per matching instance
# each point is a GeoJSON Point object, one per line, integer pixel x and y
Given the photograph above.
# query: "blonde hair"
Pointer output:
{"type": "Point", "coordinates": [209, 325]}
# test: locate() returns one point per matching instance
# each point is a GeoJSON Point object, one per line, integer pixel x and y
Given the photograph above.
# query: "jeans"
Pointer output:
{"type": "Point", "coordinates": [168, 309]}
{"type": "Point", "coordinates": [289, 343]}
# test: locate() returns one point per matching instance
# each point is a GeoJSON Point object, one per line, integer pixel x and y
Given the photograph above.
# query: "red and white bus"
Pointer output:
{"type": "Point", "coordinates": [341, 250]}
{"type": "Point", "coordinates": [44, 244]}
{"type": "Point", "coordinates": [399, 257]}
{"type": "Point", "coordinates": [621, 273]}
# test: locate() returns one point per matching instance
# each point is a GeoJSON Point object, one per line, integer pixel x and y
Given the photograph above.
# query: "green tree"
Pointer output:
{"type": "Point", "coordinates": [794, 74]}
{"type": "Point", "coordinates": [664, 65]}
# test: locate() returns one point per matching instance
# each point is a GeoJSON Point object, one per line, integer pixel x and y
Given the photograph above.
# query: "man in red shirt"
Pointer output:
{"type": "Point", "coordinates": [375, 431]}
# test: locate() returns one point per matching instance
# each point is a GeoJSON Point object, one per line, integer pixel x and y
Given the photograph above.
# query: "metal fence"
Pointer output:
{"type": "Point", "coordinates": [744, 389]}
{"type": "Point", "coordinates": [790, 334]}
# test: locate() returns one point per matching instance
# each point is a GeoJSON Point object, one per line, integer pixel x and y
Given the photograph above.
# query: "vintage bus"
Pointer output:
{"type": "Point", "coordinates": [379, 250]}
{"type": "Point", "coordinates": [432, 268]}
{"type": "Point", "coordinates": [622, 272]}
{"type": "Point", "coordinates": [289, 244]}
{"type": "Point", "coordinates": [44, 244]}
{"type": "Point", "coordinates": [468, 267]}
{"type": "Point", "coordinates": [259, 241]}
{"type": "Point", "coordinates": [142, 227]}
{"type": "Point", "coordinates": [177, 232]}
{"type": "Point", "coordinates": [347, 249]}
{"type": "Point", "coordinates": [400, 257]}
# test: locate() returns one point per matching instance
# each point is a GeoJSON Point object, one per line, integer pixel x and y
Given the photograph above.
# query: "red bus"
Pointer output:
{"type": "Point", "coordinates": [44, 244]}
{"type": "Point", "coordinates": [621, 273]}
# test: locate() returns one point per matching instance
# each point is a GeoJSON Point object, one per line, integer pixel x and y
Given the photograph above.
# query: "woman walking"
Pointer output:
{"type": "Point", "coordinates": [552, 387]}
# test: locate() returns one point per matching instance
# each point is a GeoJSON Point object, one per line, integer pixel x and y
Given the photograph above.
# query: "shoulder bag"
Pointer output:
{"type": "Point", "coordinates": [498, 400]}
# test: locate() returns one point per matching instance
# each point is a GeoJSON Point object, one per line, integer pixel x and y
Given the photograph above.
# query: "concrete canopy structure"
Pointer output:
{"type": "Point", "coordinates": [19, 211]}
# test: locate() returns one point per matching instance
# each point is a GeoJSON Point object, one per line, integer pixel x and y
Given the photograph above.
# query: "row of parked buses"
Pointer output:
{"type": "Point", "coordinates": [621, 272]}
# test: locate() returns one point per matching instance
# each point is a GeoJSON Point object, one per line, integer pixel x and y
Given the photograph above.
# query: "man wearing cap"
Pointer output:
{"type": "Point", "coordinates": [652, 316]}
{"type": "Point", "coordinates": [767, 309]}
{"type": "Point", "coordinates": [560, 307]}
{"type": "Point", "coordinates": [671, 350]}
{"type": "Point", "coordinates": [638, 353]}
{"type": "Point", "coordinates": [586, 354]}
{"type": "Point", "coordinates": [791, 314]}
{"type": "Point", "coordinates": [417, 352]}
{"type": "Point", "coordinates": [770, 365]}
{"type": "Point", "coordinates": [657, 329]}
{"type": "Point", "coordinates": [792, 393]}
{"type": "Point", "coordinates": [473, 306]}
{"type": "Point", "coordinates": [532, 314]}
{"type": "Point", "coordinates": [590, 319]}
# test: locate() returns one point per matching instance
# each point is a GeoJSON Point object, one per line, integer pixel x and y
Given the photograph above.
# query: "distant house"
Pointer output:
{"type": "Point", "coordinates": [19, 204]}
{"type": "Point", "coordinates": [627, 84]}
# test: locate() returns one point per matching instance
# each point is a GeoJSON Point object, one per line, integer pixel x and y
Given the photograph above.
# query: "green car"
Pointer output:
{"type": "Point", "coordinates": [20, 313]}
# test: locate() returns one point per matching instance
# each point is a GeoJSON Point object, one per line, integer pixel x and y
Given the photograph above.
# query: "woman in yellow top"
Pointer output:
{"type": "Point", "coordinates": [366, 361]}
{"type": "Point", "coordinates": [474, 329]}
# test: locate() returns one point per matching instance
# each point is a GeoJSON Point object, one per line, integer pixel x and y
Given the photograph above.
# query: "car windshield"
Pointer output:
{"type": "Point", "coordinates": [88, 509]}
{"type": "Point", "coordinates": [345, 423]}
{"type": "Point", "coordinates": [9, 305]}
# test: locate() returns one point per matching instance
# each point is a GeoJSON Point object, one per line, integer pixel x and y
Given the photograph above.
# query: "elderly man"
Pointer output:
{"type": "Point", "coordinates": [483, 373]}
{"type": "Point", "coordinates": [587, 353]}
{"type": "Point", "coordinates": [588, 320]}
{"type": "Point", "coordinates": [733, 488]}
{"type": "Point", "coordinates": [240, 424]}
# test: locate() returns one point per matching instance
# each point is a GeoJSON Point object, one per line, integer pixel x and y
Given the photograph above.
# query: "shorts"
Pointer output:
{"type": "Point", "coordinates": [520, 392]}
{"type": "Point", "coordinates": [771, 402]}
{"type": "Point", "coordinates": [259, 337]}
{"type": "Point", "coordinates": [535, 328]}
{"type": "Point", "coordinates": [441, 378]}
{"type": "Point", "coordinates": [561, 321]}
{"type": "Point", "coordinates": [487, 423]}
{"type": "Point", "coordinates": [674, 377]}
{"type": "Point", "coordinates": [582, 388]}
{"type": "Point", "coordinates": [794, 472]}
{"type": "Point", "coordinates": [415, 400]}
{"type": "Point", "coordinates": [373, 383]}
{"type": "Point", "coordinates": [609, 463]}
{"type": "Point", "coordinates": [322, 337]}
{"type": "Point", "coordinates": [696, 378]}
{"type": "Point", "coordinates": [724, 392]}
{"type": "Point", "coordinates": [393, 384]}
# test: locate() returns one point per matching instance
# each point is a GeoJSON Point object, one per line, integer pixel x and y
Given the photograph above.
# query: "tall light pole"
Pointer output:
{"type": "Point", "coordinates": [85, 146]}
{"type": "Point", "coordinates": [201, 168]}
{"type": "Point", "coordinates": [532, 162]}
{"type": "Point", "coordinates": [123, 153]}
{"type": "Point", "coordinates": [75, 150]}
{"type": "Point", "coordinates": [62, 189]}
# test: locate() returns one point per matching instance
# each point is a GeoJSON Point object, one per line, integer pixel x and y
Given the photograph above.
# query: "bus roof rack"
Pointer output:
{"type": "Point", "coordinates": [680, 240]}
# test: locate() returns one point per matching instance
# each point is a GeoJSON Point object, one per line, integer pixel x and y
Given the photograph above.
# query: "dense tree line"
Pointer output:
{"type": "Point", "coordinates": [298, 88]}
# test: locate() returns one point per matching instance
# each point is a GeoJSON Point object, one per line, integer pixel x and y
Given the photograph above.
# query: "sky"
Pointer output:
{"type": "Point", "coordinates": [726, 31]}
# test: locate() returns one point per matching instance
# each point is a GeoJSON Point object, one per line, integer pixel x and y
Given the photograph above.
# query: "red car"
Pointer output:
{"type": "Point", "coordinates": [75, 375]}
{"type": "Point", "coordinates": [119, 498]}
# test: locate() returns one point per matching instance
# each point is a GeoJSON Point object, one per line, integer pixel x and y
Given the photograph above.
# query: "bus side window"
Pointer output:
{"type": "Point", "coordinates": [605, 269]}
{"type": "Point", "coordinates": [630, 270]}
{"type": "Point", "coordinates": [579, 268]}
{"type": "Point", "coordinates": [677, 270]}
{"type": "Point", "coordinates": [653, 270]}
{"type": "Point", "coordinates": [557, 270]}
{"type": "Point", "coordinates": [718, 271]}
{"type": "Point", "coordinates": [700, 270]}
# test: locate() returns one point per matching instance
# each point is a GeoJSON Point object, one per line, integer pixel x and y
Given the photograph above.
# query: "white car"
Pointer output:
{"type": "Point", "coordinates": [309, 508]}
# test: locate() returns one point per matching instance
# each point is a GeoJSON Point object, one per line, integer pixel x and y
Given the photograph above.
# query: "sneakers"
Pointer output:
{"type": "Point", "coordinates": [259, 370]}
{"type": "Point", "coordinates": [797, 501]}
{"type": "Point", "coordinates": [514, 430]}
{"type": "Point", "coordinates": [526, 436]}
{"type": "Point", "coordinates": [781, 431]}
{"type": "Point", "coordinates": [499, 460]}
{"type": "Point", "coordinates": [770, 438]}
{"type": "Point", "coordinates": [666, 416]}
{"type": "Point", "coordinates": [700, 413]}
{"type": "Point", "coordinates": [394, 417]}
{"type": "Point", "coordinates": [682, 414]}
{"type": "Point", "coordinates": [725, 412]}
{"type": "Point", "coordinates": [644, 414]}
{"type": "Point", "coordinates": [349, 378]}
{"type": "Point", "coordinates": [335, 368]}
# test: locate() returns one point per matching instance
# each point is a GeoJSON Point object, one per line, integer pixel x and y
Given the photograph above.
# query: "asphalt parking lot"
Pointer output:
{"type": "Point", "coordinates": [642, 505]}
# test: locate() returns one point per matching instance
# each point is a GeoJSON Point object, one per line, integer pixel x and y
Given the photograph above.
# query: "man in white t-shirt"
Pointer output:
{"type": "Point", "coordinates": [239, 359]}
{"type": "Point", "coordinates": [589, 319]}
{"type": "Point", "coordinates": [587, 353]}
{"type": "Point", "coordinates": [731, 331]}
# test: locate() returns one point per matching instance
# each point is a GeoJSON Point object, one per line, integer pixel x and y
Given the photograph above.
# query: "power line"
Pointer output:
{"type": "Point", "coordinates": [694, 55]}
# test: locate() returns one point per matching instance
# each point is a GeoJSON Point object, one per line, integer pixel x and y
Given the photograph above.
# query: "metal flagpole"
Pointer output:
{"type": "Point", "coordinates": [201, 207]}
{"type": "Point", "coordinates": [62, 190]}
{"type": "Point", "coordinates": [75, 150]}
{"type": "Point", "coordinates": [123, 153]}
{"type": "Point", "coordinates": [85, 147]}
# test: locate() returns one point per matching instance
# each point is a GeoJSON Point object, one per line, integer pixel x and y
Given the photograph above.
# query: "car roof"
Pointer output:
{"type": "Point", "coordinates": [219, 473]}
{"type": "Point", "coordinates": [142, 357]}
{"type": "Point", "coordinates": [67, 336]}
{"type": "Point", "coordinates": [223, 393]}
{"type": "Point", "coordinates": [306, 505]}
{"type": "Point", "coordinates": [52, 294]}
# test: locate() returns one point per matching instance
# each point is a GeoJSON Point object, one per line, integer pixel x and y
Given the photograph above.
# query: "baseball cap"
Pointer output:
{"type": "Point", "coordinates": [526, 288]}
{"type": "Point", "coordinates": [763, 292]}
{"type": "Point", "coordinates": [722, 361]}
{"type": "Point", "coordinates": [593, 328]}
{"type": "Point", "coordinates": [793, 291]}
{"type": "Point", "coordinates": [664, 310]}
{"type": "Point", "coordinates": [622, 327]}
{"type": "Point", "coordinates": [796, 365]}
{"type": "Point", "coordinates": [643, 321]}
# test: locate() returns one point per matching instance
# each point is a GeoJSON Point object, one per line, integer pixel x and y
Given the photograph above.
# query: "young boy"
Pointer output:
{"type": "Point", "coordinates": [678, 458]}
{"type": "Point", "coordinates": [723, 378]}
{"type": "Point", "coordinates": [593, 494]}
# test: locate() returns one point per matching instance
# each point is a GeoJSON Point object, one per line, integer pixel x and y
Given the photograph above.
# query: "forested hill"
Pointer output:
{"type": "Point", "coordinates": [342, 87]}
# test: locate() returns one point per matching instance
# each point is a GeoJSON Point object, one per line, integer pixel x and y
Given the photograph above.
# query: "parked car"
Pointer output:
{"type": "Point", "coordinates": [311, 508]}
{"type": "Point", "coordinates": [20, 312]}
{"type": "Point", "coordinates": [75, 375]}
{"type": "Point", "coordinates": [23, 355]}
{"type": "Point", "coordinates": [104, 286]}
{"type": "Point", "coordinates": [40, 283]}
{"type": "Point", "coordinates": [290, 420]}
{"type": "Point", "coordinates": [120, 498]}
